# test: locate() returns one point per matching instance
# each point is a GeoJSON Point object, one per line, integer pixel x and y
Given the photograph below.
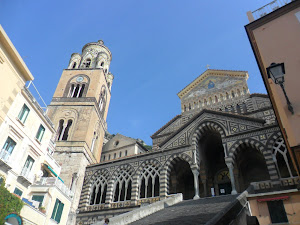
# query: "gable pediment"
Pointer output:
{"type": "Point", "coordinates": [228, 124]}
{"type": "Point", "coordinates": [213, 81]}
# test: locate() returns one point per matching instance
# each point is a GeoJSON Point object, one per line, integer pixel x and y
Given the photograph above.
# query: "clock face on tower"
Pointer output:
{"type": "Point", "coordinates": [79, 79]}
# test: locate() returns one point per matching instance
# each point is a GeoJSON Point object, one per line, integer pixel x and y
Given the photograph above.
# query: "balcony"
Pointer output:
{"type": "Point", "coordinates": [26, 177]}
{"type": "Point", "coordinates": [5, 160]}
{"type": "Point", "coordinates": [54, 182]}
{"type": "Point", "coordinates": [266, 9]}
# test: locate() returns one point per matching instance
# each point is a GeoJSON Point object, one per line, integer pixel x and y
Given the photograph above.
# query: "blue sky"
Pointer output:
{"type": "Point", "coordinates": [158, 47]}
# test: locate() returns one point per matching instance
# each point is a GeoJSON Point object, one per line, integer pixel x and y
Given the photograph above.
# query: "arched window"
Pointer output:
{"type": "Point", "coordinates": [59, 130]}
{"type": "Point", "coordinates": [149, 182]}
{"type": "Point", "coordinates": [238, 92]}
{"type": "Point", "coordinates": [244, 90]}
{"type": "Point", "coordinates": [227, 95]}
{"type": "Point", "coordinates": [63, 130]}
{"type": "Point", "coordinates": [98, 191]}
{"type": "Point", "coordinates": [74, 65]}
{"type": "Point", "coordinates": [109, 157]}
{"type": "Point", "coordinates": [102, 100]}
{"type": "Point", "coordinates": [87, 63]}
{"type": "Point", "coordinates": [190, 107]}
{"type": "Point", "coordinates": [216, 99]}
{"type": "Point", "coordinates": [102, 64]}
{"type": "Point", "coordinates": [76, 90]}
{"type": "Point", "coordinates": [66, 131]}
{"type": "Point", "coordinates": [122, 186]}
{"type": "Point", "coordinates": [104, 158]}
{"type": "Point", "coordinates": [282, 159]}
{"type": "Point", "coordinates": [244, 107]}
{"type": "Point", "coordinates": [238, 109]}
{"type": "Point", "coordinates": [115, 155]}
{"type": "Point", "coordinates": [120, 154]}
{"type": "Point", "coordinates": [125, 152]}
{"type": "Point", "coordinates": [232, 94]}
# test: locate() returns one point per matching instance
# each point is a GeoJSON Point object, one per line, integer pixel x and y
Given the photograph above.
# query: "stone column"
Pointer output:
{"type": "Point", "coordinates": [135, 190]}
{"type": "Point", "coordinates": [109, 193]}
{"type": "Point", "coordinates": [230, 167]}
{"type": "Point", "coordinates": [196, 183]}
{"type": "Point", "coordinates": [163, 183]}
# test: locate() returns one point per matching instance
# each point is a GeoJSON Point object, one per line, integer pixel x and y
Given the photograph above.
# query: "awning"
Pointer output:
{"type": "Point", "coordinates": [52, 171]}
{"type": "Point", "coordinates": [273, 199]}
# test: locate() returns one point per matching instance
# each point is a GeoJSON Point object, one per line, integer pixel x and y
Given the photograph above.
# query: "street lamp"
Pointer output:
{"type": "Point", "coordinates": [276, 72]}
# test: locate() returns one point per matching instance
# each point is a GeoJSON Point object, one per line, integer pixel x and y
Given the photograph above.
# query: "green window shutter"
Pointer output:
{"type": "Point", "coordinates": [59, 212]}
{"type": "Point", "coordinates": [55, 209]}
{"type": "Point", "coordinates": [17, 191]}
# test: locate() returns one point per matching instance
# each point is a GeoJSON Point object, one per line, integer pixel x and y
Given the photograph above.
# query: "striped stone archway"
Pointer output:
{"type": "Point", "coordinates": [86, 191]}
{"type": "Point", "coordinates": [267, 154]}
{"type": "Point", "coordinates": [135, 183]}
{"type": "Point", "coordinates": [165, 172]}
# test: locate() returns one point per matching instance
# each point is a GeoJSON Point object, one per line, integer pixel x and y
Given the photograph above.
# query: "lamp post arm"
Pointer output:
{"type": "Point", "coordinates": [290, 107]}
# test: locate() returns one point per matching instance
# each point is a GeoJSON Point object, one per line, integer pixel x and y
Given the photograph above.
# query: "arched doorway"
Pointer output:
{"type": "Point", "coordinates": [181, 179]}
{"type": "Point", "coordinates": [212, 155]}
{"type": "Point", "coordinates": [251, 167]}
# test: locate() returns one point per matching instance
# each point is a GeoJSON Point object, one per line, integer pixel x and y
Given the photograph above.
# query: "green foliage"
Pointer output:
{"type": "Point", "coordinates": [8, 203]}
{"type": "Point", "coordinates": [148, 147]}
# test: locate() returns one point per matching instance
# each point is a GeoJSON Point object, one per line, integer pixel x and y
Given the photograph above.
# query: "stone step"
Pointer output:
{"type": "Point", "coordinates": [188, 212]}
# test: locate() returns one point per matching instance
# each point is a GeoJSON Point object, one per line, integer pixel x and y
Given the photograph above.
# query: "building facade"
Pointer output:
{"type": "Point", "coordinates": [79, 110]}
{"type": "Point", "coordinates": [12, 66]}
{"type": "Point", "coordinates": [27, 165]}
{"type": "Point", "coordinates": [224, 140]}
{"type": "Point", "coordinates": [267, 34]}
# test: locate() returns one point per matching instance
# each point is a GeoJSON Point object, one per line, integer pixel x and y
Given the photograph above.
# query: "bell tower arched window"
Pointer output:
{"type": "Point", "coordinates": [102, 100]}
{"type": "Point", "coordinates": [87, 63]}
{"type": "Point", "coordinates": [63, 130]}
{"type": "Point", "coordinates": [74, 65]}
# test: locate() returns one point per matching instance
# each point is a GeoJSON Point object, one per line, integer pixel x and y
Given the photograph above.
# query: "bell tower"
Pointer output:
{"type": "Point", "coordinates": [78, 110]}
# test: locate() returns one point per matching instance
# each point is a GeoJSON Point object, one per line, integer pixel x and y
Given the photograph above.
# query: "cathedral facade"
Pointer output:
{"type": "Point", "coordinates": [224, 139]}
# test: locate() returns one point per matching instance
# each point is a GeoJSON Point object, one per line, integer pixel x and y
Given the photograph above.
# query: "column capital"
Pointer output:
{"type": "Point", "coordinates": [229, 165]}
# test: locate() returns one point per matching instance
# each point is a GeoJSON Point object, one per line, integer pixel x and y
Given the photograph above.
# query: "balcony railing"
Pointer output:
{"type": "Point", "coordinates": [268, 8]}
{"type": "Point", "coordinates": [5, 156]}
{"type": "Point", "coordinates": [27, 174]}
{"type": "Point", "coordinates": [54, 181]}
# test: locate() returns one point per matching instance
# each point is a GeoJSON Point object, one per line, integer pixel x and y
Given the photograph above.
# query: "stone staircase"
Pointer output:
{"type": "Point", "coordinates": [190, 212]}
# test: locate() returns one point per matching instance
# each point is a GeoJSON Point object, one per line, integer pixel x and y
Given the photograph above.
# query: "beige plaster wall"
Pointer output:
{"type": "Point", "coordinates": [291, 205]}
{"type": "Point", "coordinates": [13, 71]}
{"type": "Point", "coordinates": [278, 41]}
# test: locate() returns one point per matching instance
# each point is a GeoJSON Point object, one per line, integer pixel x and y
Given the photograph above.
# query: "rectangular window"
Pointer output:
{"type": "Point", "coordinates": [40, 133]}
{"type": "Point", "coordinates": [23, 113]}
{"type": "Point", "coordinates": [277, 212]}
{"type": "Point", "coordinates": [27, 166]}
{"type": "Point", "coordinates": [38, 198]}
{"type": "Point", "coordinates": [9, 145]}
{"type": "Point", "coordinates": [57, 210]}
{"type": "Point", "coordinates": [17, 191]}
{"type": "Point", "coordinates": [7, 149]}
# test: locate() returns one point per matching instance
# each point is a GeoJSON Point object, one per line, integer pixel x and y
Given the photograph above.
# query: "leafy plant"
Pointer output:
{"type": "Point", "coordinates": [8, 203]}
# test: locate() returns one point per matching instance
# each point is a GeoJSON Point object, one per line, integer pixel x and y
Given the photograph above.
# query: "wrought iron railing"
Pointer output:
{"type": "Point", "coordinates": [268, 8]}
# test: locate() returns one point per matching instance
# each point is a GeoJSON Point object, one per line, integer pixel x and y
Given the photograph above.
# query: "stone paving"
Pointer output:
{"type": "Point", "coordinates": [188, 212]}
